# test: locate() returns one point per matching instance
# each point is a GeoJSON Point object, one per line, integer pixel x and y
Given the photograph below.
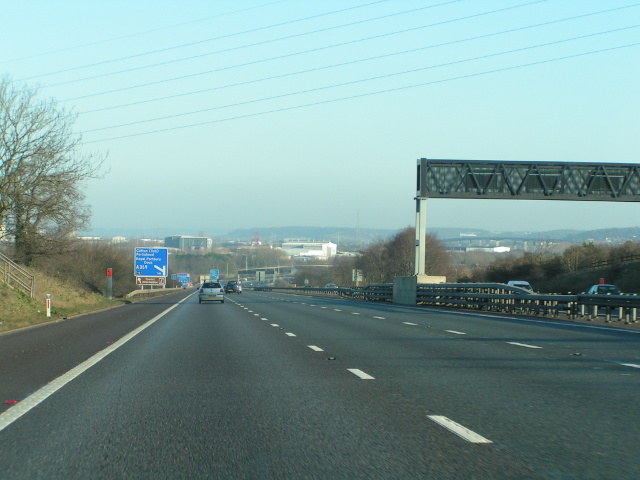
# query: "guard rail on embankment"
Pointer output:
{"type": "Point", "coordinates": [495, 297]}
{"type": "Point", "coordinates": [17, 277]}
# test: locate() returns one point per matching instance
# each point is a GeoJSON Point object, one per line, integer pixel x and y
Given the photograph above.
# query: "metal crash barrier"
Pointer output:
{"type": "Point", "coordinates": [495, 297]}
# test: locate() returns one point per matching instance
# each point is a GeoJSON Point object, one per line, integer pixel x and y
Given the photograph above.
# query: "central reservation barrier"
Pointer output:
{"type": "Point", "coordinates": [495, 297]}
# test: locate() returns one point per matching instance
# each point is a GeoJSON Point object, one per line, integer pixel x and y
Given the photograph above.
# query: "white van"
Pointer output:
{"type": "Point", "coordinates": [520, 284]}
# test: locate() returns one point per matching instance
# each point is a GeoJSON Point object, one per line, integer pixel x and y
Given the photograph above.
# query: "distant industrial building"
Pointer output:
{"type": "Point", "coordinates": [479, 249]}
{"type": "Point", "coordinates": [182, 242]}
{"type": "Point", "coordinates": [319, 250]}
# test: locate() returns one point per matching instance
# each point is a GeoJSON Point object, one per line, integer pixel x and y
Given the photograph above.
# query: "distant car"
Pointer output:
{"type": "Point", "coordinates": [604, 289]}
{"type": "Point", "coordinates": [233, 286]}
{"type": "Point", "coordinates": [331, 285]}
{"type": "Point", "coordinates": [211, 292]}
{"type": "Point", "coordinates": [520, 284]}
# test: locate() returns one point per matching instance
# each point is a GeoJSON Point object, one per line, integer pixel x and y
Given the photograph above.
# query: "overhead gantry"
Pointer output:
{"type": "Point", "coordinates": [519, 180]}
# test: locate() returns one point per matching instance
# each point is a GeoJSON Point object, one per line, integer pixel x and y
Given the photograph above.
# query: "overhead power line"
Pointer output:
{"type": "Point", "coordinates": [255, 44]}
{"type": "Point", "coordinates": [182, 77]}
{"type": "Point", "coordinates": [377, 57]}
{"type": "Point", "coordinates": [137, 34]}
{"type": "Point", "coordinates": [353, 82]}
{"type": "Point", "coordinates": [161, 50]}
{"type": "Point", "coordinates": [368, 94]}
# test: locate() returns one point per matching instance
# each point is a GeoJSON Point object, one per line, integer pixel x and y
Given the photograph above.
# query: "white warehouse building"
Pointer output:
{"type": "Point", "coordinates": [320, 250]}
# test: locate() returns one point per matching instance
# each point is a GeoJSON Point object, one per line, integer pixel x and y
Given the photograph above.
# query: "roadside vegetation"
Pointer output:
{"type": "Point", "coordinates": [76, 281]}
{"type": "Point", "coordinates": [18, 310]}
{"type": "Point", "coordinates": [573, 271]}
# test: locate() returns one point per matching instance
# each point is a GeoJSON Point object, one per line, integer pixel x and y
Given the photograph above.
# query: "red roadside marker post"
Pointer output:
{"type": "Point", "coordinates": [109, 282]}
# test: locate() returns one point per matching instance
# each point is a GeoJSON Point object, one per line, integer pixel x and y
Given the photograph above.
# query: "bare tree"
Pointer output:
{"type": "Point", "coordinates": [41, 173]}
{"type": "Point", "coordinates": [372, 262]}
{"type": "Point", "coordinates": [384, 260]}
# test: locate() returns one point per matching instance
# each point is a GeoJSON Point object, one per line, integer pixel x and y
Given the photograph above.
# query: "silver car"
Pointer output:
{"type": "Point", "coordinates": [211, 292]}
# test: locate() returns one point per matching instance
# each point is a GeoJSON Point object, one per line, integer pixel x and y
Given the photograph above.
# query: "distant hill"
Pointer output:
{"type": "Point", "coordinates": [364, 236]}
{"type": "Point", "coordinates": [571, 236]}
{"type": "Point", "coordinates": [617, 234]}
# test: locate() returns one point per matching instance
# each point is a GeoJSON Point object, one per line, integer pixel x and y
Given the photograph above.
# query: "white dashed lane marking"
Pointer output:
{"type": "Point", "coordinates": [632, 365]}
{"type": "Point", "coordinates": [409, 323]}
{"type": "Point", "coordinates": [457, 333]}
{"type": "Point", "coordinates": [315, 349]}
{"type": "Point", "coordinates": [461, 431]}
{"type": "Point", "coordinates": [361, 374]}
{"type": "Point", "coordinates": [523, 345]}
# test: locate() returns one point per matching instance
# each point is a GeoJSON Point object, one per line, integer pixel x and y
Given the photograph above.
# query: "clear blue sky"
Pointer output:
{"type": "Point", "coordinates": [278, 113]}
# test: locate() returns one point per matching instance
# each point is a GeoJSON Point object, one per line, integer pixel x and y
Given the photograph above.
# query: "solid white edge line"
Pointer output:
{"type": "Point", "coordinates": [461, 431]}
{"type": "Point", "coordinates": [523, 345]}
{"type": "Point", "coordinates": [36, 398]}
{"type": "Point", "coordinates": [361, 374]}
{"type": "Point", "coordinates": [315, 349]}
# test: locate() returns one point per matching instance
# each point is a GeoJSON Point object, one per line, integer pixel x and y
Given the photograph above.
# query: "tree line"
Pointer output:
{"type": "Point", "coordinates": [573, 271]}
{"type": "Point", "coordinates": [380, 262]}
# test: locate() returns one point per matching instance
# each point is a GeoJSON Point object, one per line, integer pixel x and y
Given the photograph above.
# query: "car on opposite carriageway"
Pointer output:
{"type": "Point", "coordinates": [604, 289]}
{"type": "Point", "coordinates": [521, 284]}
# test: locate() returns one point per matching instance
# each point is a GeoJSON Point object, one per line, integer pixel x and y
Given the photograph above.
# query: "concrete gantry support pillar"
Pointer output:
{"type": "Point", "coordinates": [421, 233]}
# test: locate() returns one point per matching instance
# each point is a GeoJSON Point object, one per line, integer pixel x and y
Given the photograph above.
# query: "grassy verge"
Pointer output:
{"type": "Point", "coordinates": [18, 310]}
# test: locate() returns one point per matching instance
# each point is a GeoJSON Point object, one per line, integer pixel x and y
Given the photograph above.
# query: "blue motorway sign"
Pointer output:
{"type": "Point", "coordinates": [151, 262]}
{"type": "Point", "coordinates": [214, 274]}
{"type": "Point", "coordinates": [184, 278]}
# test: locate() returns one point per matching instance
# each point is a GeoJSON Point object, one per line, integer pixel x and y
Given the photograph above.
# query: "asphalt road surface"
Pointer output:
{"type": "Point", "coordinates": [273, 386]}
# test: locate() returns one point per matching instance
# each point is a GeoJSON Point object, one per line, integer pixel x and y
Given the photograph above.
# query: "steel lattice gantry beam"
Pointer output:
{"type": "Point", "coordinates": [513, 180]}
{"type": "Point", "coordinates": [517, 180]}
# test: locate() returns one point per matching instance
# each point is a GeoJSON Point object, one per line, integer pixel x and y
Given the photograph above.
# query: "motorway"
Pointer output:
{"type": "Point", "coordinates": [275, 386]}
